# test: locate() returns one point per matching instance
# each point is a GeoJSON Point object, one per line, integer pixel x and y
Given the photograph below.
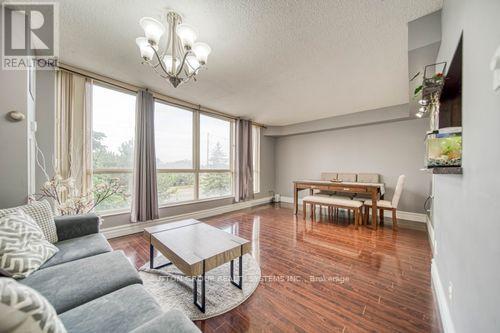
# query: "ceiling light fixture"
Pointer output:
{"type": "Point", "coordinates": [182, 58]}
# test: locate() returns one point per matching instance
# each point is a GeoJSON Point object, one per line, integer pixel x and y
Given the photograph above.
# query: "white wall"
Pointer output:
{"type": "Point", "coordinates": [389, 149]}
{"type": "Point", "coordinates": [466, 220]}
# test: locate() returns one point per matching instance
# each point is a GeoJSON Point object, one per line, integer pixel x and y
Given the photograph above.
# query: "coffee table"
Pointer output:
{"type": "Point", "coordinates": [195, 248]}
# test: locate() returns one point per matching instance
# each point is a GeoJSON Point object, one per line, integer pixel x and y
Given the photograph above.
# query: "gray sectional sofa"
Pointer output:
{"type": "Point", "coordinates": [96, 289]}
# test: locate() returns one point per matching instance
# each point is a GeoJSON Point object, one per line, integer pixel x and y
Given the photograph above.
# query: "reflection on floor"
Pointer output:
{"type": "Point", "coordinates": [323, 276]}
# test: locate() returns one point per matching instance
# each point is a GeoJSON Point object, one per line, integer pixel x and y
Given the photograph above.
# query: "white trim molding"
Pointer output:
{"type": "Point", "coordinates": [409, 216]}
{"type": "Point", "coordinates": [444, 311]}
{"type": "Point", "coordinates": [432, 239]}
{"type": "Point", "coordinates": [133, 228]}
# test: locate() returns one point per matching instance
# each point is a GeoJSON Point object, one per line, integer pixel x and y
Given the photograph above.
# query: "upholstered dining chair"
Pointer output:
{"type": "Point", "coordinates": [388, 205]}
{"type": "Point", "coordinates": [347, 177]}
{"type": "Point", "coordinates": [367, 178]}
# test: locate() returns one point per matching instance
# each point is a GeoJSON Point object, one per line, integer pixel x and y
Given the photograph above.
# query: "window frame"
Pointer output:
{"type": "Point", "coordinates": [196, 169]}
{"type": "Point", "coordinates": [256, 163]}
{"type": "Point", "coordinates": [98, 171]}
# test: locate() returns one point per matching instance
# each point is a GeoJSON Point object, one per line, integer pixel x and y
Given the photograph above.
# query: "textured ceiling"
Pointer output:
{"type": "Point", "coordinates": [277, 62]}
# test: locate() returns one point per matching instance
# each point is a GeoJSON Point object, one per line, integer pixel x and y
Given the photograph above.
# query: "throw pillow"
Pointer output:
{"type": "Point", "coordinates": [41, 212]}
{"type": "Point", "coordinates": [23, 309]}
{"type": "Point", "coordinates": [23, 247]}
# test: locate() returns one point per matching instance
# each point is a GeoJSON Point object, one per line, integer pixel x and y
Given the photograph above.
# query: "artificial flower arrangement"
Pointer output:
{"type": "Point", "coordinates": [68, 201]}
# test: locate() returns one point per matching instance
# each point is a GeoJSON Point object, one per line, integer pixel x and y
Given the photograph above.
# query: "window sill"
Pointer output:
{"type": "Point", "coordinates": [183, 203]}
{"type": "Point", "coordinates": [113, 212]}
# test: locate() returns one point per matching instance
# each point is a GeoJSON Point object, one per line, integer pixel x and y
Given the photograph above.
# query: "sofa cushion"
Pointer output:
{"type": "Point", "coordinates": [120, 311]}
{"type": "Point", "coordinates": [41, 212]}
{"type": "Point", "coordinates": [74, 283]}
{"type": "Point", "coordinates": [78, 248]}
{"type": "Point", "coordinates": [23, 309]}
{"type": "Point", "coordinates": [23, 247]}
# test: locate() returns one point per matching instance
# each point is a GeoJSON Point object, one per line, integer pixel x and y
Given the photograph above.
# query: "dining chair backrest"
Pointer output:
{"type": "Point", "coordinates": [328, 175]}
{"type": "Point", "coordinates": [368, 178]}
{"type": "Point", "coordinates": [398, 191]}
{"type": "Point", "coordinates": [347, 177]}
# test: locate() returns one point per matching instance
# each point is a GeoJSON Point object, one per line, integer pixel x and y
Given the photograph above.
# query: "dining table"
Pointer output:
{"type": "Point", "coordinates": [375, 190]}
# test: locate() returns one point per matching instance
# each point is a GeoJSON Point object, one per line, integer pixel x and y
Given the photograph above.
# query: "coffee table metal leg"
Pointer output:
{"type": "Point", "coordinates": [240, 271]}
{"type": "Point", "coordinates": [152, 259]}
{"type": "Point", "coordinates": [151, 256]}
{"type": "Point", "coordinates": [195, 291]}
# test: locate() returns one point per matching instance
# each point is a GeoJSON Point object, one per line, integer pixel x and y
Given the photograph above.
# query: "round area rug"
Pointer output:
{"type": "Point", "coordinates": [173, 290]}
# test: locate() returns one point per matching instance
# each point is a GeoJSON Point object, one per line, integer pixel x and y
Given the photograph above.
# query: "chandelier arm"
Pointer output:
{"type": "Point", "coordinates": [161, 64]}
{"type": "Point", "coordinates": [182, 64]}
{"type": "Point", "coordinates": [160, 74]}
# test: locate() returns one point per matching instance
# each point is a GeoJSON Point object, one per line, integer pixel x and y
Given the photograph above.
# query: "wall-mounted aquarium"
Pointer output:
{"type": "Point", "coordinates": [444, 148]}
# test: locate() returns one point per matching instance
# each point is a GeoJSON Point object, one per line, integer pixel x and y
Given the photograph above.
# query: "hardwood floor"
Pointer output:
{"type": "Point", "coordinates": [323, 276]}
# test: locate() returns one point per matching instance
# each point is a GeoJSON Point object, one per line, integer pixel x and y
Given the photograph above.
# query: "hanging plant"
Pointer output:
{"type": "Point", "coordinates": [434, 81]}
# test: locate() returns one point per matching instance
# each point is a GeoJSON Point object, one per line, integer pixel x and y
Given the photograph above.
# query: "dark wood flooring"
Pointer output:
{"type": "Point", "coordinates": [323, 276]}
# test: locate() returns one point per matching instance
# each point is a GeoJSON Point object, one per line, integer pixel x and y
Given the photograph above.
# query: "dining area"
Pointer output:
{"type": "Point", "coordinates": [358, 193]}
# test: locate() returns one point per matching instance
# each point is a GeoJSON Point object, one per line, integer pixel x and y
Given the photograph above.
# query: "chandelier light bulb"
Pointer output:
{"type": "Point", "coordinates": [167, 60]}
{"type": "Point", "coordinates": [422, 109]}
{"type": "Point", "coordinates": [202, 50]}
{"type": "Point", "coordinates": [145, 49]}
{"type": "Point", "coordinates": [187, 34]}
{"type": "Point", "coordinates": [153, 29]}
{"type": "Point", "coordinates": [419, 114]}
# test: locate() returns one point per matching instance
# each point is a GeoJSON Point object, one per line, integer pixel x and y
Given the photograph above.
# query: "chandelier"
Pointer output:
{"type": "Point", "coordinates": [181, 58]}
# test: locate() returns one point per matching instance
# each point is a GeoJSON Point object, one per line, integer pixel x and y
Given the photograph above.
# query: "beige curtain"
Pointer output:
{"type": "Point", "coordinates": [74, 129]}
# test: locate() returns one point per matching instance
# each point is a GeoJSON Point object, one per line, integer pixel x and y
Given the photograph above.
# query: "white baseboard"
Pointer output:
{"type": "Point", "coordinates": [409, 216]}
{"type": "Point", "coordinates": [439, 291]}
{"type": "Point", "coordinates": [432, 239]}
{"type": "Point", "coordinates": [133, 228]}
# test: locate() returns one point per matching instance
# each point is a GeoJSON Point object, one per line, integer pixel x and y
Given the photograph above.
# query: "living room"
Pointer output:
{"type": "Point", "coordinates": [186, 166]}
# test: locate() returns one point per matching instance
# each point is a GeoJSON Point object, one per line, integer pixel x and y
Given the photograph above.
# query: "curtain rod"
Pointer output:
{"type": "Point", "coordinates": [135, 89]}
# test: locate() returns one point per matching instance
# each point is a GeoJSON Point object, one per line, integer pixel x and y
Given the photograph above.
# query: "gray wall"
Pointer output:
{"type": "Point", "coordinates": [466, 220]}
{"type": "Point", "coordinates": [13, 139]}
{"type": "Point", "coordinates": [267, 152]}
{"type": "Point", "coordinates": [389, 149]}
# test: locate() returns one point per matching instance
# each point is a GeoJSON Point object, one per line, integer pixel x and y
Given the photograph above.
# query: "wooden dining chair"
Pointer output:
{"type": "Point", "coordinates": [383, 205]}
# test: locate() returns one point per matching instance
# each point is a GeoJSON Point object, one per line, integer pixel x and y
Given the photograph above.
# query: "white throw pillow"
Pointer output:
{"type": "Point", "coordinates": [22, 309]}
{"type": "Point", "coordinates": [41, 212]}
{"type": "Point", "coordinates": [23, 247]}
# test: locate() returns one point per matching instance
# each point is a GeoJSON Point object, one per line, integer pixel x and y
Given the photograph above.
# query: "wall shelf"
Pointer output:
{"type": "Point", "coordinates": [447, 171]}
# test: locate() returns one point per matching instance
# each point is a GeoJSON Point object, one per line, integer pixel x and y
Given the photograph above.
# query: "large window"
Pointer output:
{"type": "Point", "coordinates": [174, 154]}
{"type": "Point", "coordinates": [193, 155]}
{"type": "Point", "coordinates": [215, 157]}
{"type": "Point", "coordinates": [113, 128]}
{"type": "Point", "coordinates": [256, 158]}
